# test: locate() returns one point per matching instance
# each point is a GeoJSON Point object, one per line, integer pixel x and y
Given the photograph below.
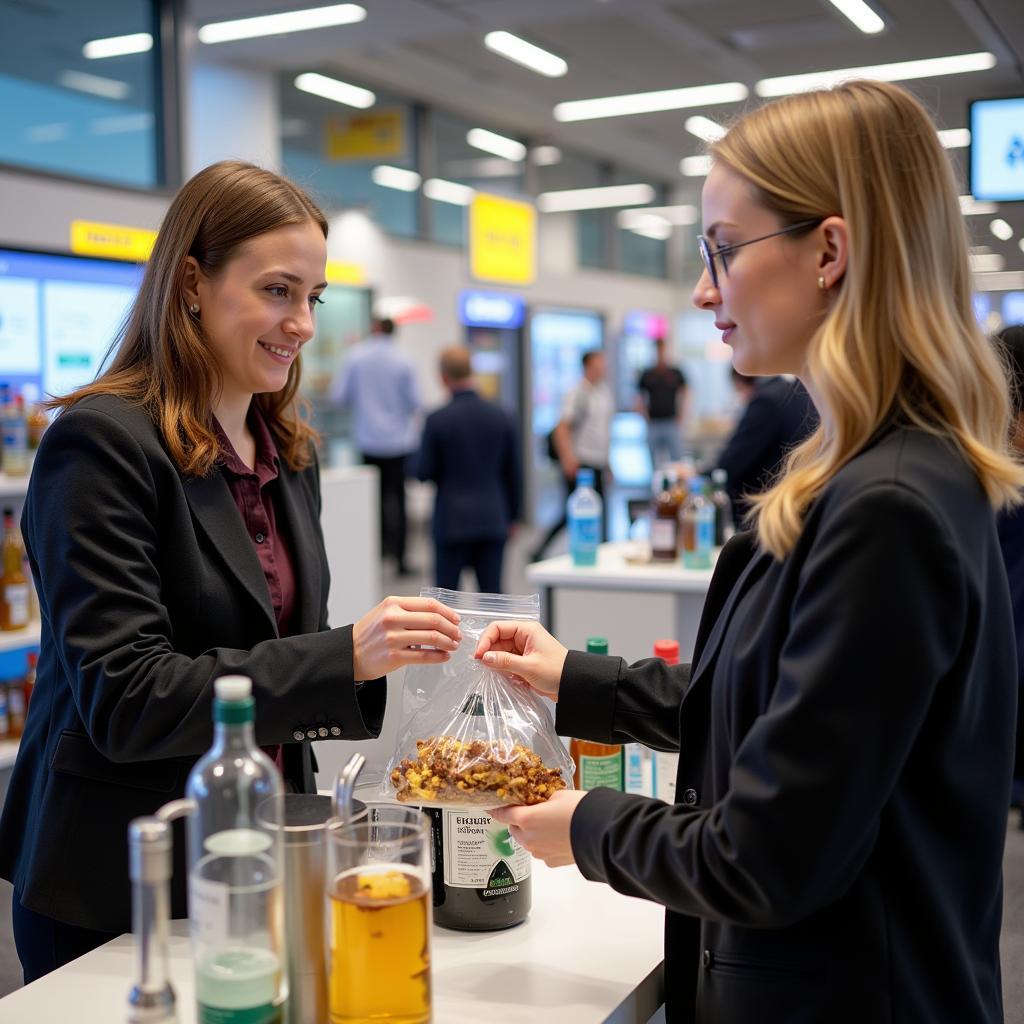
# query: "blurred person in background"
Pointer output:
{"type": "Point", "coordinates": [661, 400]}
{"type": "Point", "coordinates": [378, 383]}
{"type": "Point", "coordinates": [846, 726]}
{"type": "Point", "coordinates": [582, 437]}
{"type": "Point", "coordinates": [470, 451]}
{"type": "Point", "coordinates": [172, 523]}
{"type": "Point", "coordinates": [1010, 341]}
{"type": "Point", "coordinates": [778, 415]}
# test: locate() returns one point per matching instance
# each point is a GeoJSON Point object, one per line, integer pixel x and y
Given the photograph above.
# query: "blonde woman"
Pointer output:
{"type": "Point", "coordinates": [846, 727]}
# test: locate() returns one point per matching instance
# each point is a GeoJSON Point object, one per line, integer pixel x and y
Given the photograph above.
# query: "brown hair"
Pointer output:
{"type": "Point", "coordinates": [456, 363]}
{"type": "Point", "coordinates": [163, 362]}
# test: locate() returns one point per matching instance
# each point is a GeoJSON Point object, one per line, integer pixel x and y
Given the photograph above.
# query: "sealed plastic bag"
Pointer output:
{"type": "Point", "coordinates": [470, 736]}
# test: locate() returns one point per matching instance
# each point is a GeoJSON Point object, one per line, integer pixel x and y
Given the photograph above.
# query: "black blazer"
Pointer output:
{"type": "Point", "coordinates": [471, 451]}
{"type": "Point", "coordinates": [846, 740]}
{"type": "Point", "coordinates": [149, 589]}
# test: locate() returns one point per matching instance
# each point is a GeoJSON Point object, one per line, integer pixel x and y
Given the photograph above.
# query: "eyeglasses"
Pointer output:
{"type": "Point", "coordinates": [709, 255]}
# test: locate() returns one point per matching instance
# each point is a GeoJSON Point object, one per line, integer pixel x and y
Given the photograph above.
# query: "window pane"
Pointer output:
{"type": "Point", "coordinates": [333, 151]}
{"type": "Point", "coordinates": [66, 113]}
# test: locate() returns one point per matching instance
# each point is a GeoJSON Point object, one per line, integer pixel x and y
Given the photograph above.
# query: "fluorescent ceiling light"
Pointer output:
{"type": "Point", "coordinates": [281, 24]}
{"type": "Point", "coordinates": [108, 88]}
{"type": "Point", "coordinates": [955, 138]}
{"type": "Point", "coordinates": [546, 156]}
{"type": "Point", "coordinates": [522, 52]}
{"type": "Point", "coordinates": [1020, 245]}
{"type": "Point", "coordinates": [1001, 229]}
{"type": "Point", "coordinates": [121, 124]}
{"type": "Point", "coordinates": [642, 223]}
{"type": "Point", "coordinates": [492, 142]}
{"type": "Point", "coordinates": [117, 46]}
{"type": "Point", "coordinates": [448, 191]}
{"type": "Point", "coordinates": [333, 89]}
{"type": "Point", "coordinates": [987, 263]}
{"type": "Point", "coordinates": [969, 206]}
{"type": "Point", "coordinates": [646, 102]}
{"type": "Point", "coordinates": [695, 166]}
{"type": "Point", "coordinates": [860, 14]}
{"type": "Point", "coordinates": [395, 177]}
{"type": "Point", "coordinates": [704, 128]}
{"type": "Point", "coordinates": [901, 71]}
{"type": "Point", "coordinates": [1007, 281]}
{"type": "Point", "coordinates": [595, 198]}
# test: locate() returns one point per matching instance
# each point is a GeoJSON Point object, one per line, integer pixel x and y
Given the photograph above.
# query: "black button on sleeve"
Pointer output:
{"type": "Point", "coordinates": [706, 958]}
{"type": "Point", "coordinates": [260, 537]}
{"type": "Point", "coordinates": [298, 734]}
{"type": "Point", "coordinates": [322, 732]}
{"type": "Point", "coordinates": [335, 730]}
{"type": "Point", "coordinates": [311, 734]}
{"type": "Point", "coordinates": [690, 797]}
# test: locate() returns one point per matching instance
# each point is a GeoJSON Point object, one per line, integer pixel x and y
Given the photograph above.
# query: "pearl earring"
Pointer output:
{"type": "Point", "coordinates": [194, 308]}
{"type": "Point", "coordinates": [821, 282]}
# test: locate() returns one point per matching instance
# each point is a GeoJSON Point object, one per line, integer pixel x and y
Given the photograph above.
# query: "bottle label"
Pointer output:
{"type": "Point", "coordinates": [479, 853]}
{"type": "Point", "coordinates": [639, 770]}
{"type": "Point", "coordinates": [665, 768]}
{"type": "Point", "coordinates": [208, 911]}
{"type": "Point", "coordinates": [705, 527]}
{"type": "Point", "coordinates": [663, 535]}
{"type": "Point", "coordinates": [16, 597]}
{"type": "Point", "coordinates": [605, 770]}
{"type": "Point", "coordinates": [266, 1014]}
{"type": "Point", "coordinates": [584, 536]}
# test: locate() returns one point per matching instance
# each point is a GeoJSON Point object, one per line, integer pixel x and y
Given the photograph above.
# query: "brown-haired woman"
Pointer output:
{"type": "Point", "coordinates": [172, 523]}
{"type": "Point", "coordinates": [845, 729]}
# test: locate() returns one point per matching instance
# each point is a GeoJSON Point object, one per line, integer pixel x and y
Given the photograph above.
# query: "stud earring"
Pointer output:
{"type": "Point", "coordinates": [821, 282]}
{"type": "Point", "coordinates": [194, 308]}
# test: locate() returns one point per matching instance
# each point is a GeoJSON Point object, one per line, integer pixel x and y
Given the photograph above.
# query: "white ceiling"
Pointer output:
{"type": "Point", "coordinates": [433, 50]}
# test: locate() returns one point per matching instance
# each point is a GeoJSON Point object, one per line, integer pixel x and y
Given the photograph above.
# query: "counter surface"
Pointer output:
{"type": "Point", "coordinates": [587, 955]}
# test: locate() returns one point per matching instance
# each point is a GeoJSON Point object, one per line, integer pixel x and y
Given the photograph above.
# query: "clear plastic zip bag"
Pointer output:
{"type": "Point", "coordinates": [470, 736]}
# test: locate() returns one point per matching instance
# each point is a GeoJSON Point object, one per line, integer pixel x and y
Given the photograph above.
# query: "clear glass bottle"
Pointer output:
{"type": "Point", "coordinates": [15, 438]}
{"type": "Point", "coordinates": [584, 517]}
{"type": "Point", "coordinates": [697, 527]}
{"type": "Point", "coordinates": [14, 598]}
{"type": "Point", "coordinates": [236, 876]}
{"type": "Point", "coordinates": [724, 523]}
{"type": "Point", "coordinates": [665, 522]}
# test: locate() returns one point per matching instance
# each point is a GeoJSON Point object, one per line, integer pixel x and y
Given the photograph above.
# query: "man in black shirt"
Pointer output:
{"type": "Point", "coordinates": [662, 390]}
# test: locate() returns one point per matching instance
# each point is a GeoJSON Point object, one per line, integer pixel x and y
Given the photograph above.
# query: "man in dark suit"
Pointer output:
{"type": "Point", "coordinates": [470, 450]}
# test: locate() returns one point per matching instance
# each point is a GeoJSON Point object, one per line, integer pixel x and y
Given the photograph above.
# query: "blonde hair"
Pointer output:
{"type": "Point", "coordinates": [900, 338]}
{"type": "Point", "coordinates": [163, 362]}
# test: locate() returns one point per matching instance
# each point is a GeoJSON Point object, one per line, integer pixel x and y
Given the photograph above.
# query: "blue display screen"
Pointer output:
{"type": "Point", "coordinates": [491, 309]}
{"type": "Point", "coordinates": [558, 339]}
{"type": "Point", "coordinates": [997, 149]}
{"type": "Point", "coordinates": [58, 318]}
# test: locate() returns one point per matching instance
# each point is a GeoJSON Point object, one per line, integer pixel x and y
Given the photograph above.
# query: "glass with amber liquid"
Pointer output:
{"type": "Point", "coordinates": [378, 888]}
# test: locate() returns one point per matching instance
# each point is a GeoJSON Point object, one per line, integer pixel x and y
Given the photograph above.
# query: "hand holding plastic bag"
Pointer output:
{"type": "Point", "coordinates": [470, 736]}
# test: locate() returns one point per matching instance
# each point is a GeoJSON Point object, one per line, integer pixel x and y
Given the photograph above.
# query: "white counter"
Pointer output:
{"type": "Point", "coordinates": [632, 605]}
{"type": "Point", "coordinates": [586, 956]}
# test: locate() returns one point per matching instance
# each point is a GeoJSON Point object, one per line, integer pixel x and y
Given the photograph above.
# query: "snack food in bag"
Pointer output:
{"type": "Point", "coordinates": [470, 736]}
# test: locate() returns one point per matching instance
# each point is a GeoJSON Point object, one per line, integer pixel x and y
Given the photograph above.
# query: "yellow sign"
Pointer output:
{"type": "Point", "coordinates": [345, 273]}
{"type": "Point", "coordinates": [502, 240]}
{"type": "Point", "coordinates": [114, 241]}
{"type": "Point", "coordinates": [371, 136]}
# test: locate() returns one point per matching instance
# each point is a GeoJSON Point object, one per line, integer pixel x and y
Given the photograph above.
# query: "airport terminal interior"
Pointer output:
{"type": "Point", "coordinates": [518, 179]}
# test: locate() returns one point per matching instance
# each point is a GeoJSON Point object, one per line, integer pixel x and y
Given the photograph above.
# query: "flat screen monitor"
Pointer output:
{"type": "Point", "coordinates": [997, 149]}
{"type": "Point", "coordinates": [58, 317]}
{"type": "Point", "coordinates": [558, 339]}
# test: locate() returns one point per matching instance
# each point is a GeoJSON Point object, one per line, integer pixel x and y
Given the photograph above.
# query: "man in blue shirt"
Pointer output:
{"type": "Point", "coordinates": [378, 382]}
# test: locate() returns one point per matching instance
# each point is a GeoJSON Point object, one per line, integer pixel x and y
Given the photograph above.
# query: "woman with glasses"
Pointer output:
{"type": "Point", "coordinates": [845, 728]}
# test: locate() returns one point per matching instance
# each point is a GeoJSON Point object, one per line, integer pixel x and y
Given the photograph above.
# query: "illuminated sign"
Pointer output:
{"type": "Point", "coordinates": [491, 309]}
{"type": "Point", "coordinates": [114, 241]}
{"type": "Point", "coordinates": [502, 240]}
{"type": "Point", "coordinates": [374, 136]}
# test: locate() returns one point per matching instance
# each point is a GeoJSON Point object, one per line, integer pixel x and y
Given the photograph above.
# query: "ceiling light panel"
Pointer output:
{"type": "Point", "coordinates": [955, 138]}
{"type": "Point", "coordinates": [858, 12]}
{"type": "Point", "coordinates": [395, 177]}
{"type": "Point", "coordinates": [334, 89]}
{"type": "Point", "coordinates": [546, 156]}
{"type": "Point", "coordinates": [1001, 229]}
{"type": "Point", "coordinates": [108, 88]}
{"type": "Point", "coordinates": [901, 71]}
{"type": "Point", "coordinates": [526, 54]}
{"type": "Point", "coordinates": [499, 145]}
{"type": "Point", "coordinates": [117, 46]}
{"type": "Point", "coordinates": [448, 191]}
{"type": "Point", "coordinates": [595, 198]}
{"type": "Point", "coordinates": [969, 206]}
{"type": "Point", "coordinates": [281, 24]}
{"type": "Point", "coordinates": [648, 102]}
{"type": "Point", "coordinates": [704, 128]}
{"type": "Point", "coordinates": [695, 166]}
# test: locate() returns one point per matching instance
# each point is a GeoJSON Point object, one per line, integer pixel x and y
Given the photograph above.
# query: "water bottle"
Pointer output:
{"type": "Point", "coordinates": [697, 522]}
{"type": "Point", "coordinates": [236, 876]}
{"type": "Point", "coordinates": [584, 515]}
{"type": "Point", "coordinates": [724, 527]}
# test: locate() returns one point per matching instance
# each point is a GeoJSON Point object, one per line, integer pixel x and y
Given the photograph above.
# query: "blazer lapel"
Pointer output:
{"type": "Point", "coordinates": [214, 509]}
{"type": "Point", "coordinates": [304, 550]}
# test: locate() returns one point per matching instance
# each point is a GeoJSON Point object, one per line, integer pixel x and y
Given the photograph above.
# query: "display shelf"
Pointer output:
{"type": "Point", "coordinates": [13, 486]}
{"type": "Point", "coordinates": [16, 639]}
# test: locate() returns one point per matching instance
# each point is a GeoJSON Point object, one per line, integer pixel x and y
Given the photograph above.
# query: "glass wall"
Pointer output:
{"type": "Point", "coordinates": [91, 117]}
{"type": "Point", "coordinates": [335, 151]}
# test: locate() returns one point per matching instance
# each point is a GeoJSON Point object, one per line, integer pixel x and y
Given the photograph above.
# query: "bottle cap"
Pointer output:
{"type": "Point", "coordinates": [233, 701]}
{"type": "Point", "coordinates": [667, 650]}
{"type": "Point", "coordinates": [584, 478]}
{"type": "Point", "coordinates": [233, 688]}
{"type": "Point", "coordinates": [719, 476]}
{"type": "Point", "coordinates": [597, 645]}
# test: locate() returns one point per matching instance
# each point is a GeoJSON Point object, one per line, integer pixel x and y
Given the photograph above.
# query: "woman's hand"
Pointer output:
{"type": "Point", "coordinates": [400, 631]}
{"type": "Point", "coordinates": [544, 828]}
{"type": "Point", "coordinates": [527, 652]}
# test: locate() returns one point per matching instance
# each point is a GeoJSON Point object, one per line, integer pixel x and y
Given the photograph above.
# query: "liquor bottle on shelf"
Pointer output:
{"type": "Point", "coordinates": [584, 517]}
{"type": "Point", "coordinates": [597, 764]}
{"type": "Point", "coordinates": [665, 763]}
{"type": "Point", "coordinates": [15, 438]}
{"type": "Point", "coordinates": [15, 708]}
{"type": "Point", "coordinates": [5, 720]}
{"type": "Point", "coordinates": [724, 523]}
{"type": "Point", "coordinates": [236, 869]}
{"type": "Point", "coordinates": [13, 585]}
{"type": "Point", "coordinates": [697, 521]}
{"type": "Point", "coordinates": [665, 522]}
